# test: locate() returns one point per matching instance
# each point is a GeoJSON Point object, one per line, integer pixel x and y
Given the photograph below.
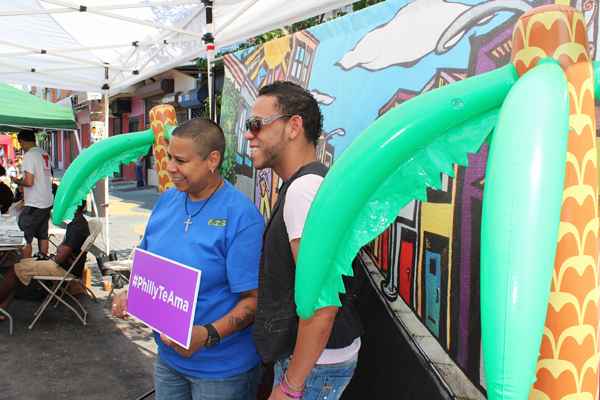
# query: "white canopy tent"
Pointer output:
{"type": "Point", "coordinates": [109, 45]}
{"type": "Point", "coordinates": [83, 46]}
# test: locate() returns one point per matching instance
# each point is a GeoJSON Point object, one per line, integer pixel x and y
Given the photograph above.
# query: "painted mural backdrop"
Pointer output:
{"type": "Point", "coordinates": [360, 66]}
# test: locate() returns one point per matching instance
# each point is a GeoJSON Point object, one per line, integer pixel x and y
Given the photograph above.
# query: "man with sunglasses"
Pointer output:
{"type": "Point", "coordinates": [314, 358]}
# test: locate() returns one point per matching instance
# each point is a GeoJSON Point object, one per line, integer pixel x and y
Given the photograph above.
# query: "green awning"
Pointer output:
{"type": "Point", "coordinates": [21, 109]}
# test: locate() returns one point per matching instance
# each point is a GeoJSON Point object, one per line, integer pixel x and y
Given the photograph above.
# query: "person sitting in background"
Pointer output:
{"type": "Point", "coordinates": [6, 194]}
{"type": "Point", "coordinates": [11, 170]}
{"type": "Point", "coordinates": [21, 273]}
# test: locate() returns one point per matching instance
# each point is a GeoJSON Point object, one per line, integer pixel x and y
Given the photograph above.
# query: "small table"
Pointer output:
{"type": "Point", "coordinates": [11, 239]}
{"type": "Point", "coordinates": [5, 252]}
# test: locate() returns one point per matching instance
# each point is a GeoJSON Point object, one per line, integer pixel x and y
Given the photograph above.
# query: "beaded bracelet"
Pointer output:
{"type": "Point", "coordinates": [284, 387]}
{"type": "Point", "coordinates": [293, 387]}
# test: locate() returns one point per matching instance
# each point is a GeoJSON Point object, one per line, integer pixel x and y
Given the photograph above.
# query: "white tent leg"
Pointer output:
{"type": "Point", "coordinates": [106, 195]}
{"type": "Point", "coordinates": [211, 83]}
{"type": "Point", "coordinates": [78, 143]}
{"type": "Point", "coordinates": [210, 49]}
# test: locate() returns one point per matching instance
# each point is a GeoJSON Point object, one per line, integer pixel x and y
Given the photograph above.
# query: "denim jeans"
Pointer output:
{"type": "Point", "coordinates": [172, 385]}
{"type": "Point", "coordinates": [325, 382]}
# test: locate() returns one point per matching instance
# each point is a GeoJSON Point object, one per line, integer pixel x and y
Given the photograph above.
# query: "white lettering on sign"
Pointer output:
{"type": "Point", "coordinates": [155, 291]}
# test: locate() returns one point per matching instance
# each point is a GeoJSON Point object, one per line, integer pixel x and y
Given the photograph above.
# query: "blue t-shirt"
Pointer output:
{"type": "Point", "coordinates": [224, 242]}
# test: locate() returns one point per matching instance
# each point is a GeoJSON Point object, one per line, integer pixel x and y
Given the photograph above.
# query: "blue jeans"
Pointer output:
{"type": "Point", "coordinates": [325, 382]}
{"type": "Point", "coordinates": [172, 385]}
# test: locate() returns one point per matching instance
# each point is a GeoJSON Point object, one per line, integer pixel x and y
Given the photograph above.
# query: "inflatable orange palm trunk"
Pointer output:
{"type": "Point", "coordinates": [568, 363]}
{"type": "Point", "coordinates": [159, 117]}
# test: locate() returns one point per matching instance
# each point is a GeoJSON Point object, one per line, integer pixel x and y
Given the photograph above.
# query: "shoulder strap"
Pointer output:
{"type": "Point", "coordinates": [315, 167]}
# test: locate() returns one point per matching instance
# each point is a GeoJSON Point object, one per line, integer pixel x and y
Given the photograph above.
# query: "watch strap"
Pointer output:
{"type": "Point", "coordinates": [213, 337]}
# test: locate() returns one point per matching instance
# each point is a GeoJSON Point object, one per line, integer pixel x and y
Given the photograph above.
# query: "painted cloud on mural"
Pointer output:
{"type": "Point", "coordinates": [445, 25]}
{"type": "Point", "coordinates": [322, 98]}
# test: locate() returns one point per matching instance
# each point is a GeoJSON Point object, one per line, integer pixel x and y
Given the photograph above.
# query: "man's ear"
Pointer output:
{"type": "Point", "coordinates": [295, 127]}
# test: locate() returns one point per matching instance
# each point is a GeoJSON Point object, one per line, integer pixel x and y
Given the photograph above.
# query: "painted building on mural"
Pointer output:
{"type": "Point", "coordinates": [359, 67]}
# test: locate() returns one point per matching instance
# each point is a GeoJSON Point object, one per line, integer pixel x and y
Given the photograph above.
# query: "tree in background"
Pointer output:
{"type": "Point", "coordinates": [359, 5]}
{"type": "Point", "coordinates": [229, 111]}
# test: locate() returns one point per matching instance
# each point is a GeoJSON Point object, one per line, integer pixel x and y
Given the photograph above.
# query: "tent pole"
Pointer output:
{"type": "Point", "coordinates": [210, 49]}
{"type": "Point", "coordinates": [78, 143]}
{"type": "Point", "coordinates": [106, 195]}
{"type": "Point", "coordinates": [70, 10]}
{"type": "Point", "coordinates": [225, 24]}
{"type": "Point", "coordinates": [211, 86]}
{"type": "Point", "coordinates": [84, 61]}
{"type": "Point", "coordinates": [162, 40]}
{"type": "Point", "coordinates": [95, 10]}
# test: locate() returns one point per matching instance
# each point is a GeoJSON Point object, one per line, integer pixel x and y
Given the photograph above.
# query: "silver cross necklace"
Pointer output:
{"type": "Point", "coordinates": [188, 221]}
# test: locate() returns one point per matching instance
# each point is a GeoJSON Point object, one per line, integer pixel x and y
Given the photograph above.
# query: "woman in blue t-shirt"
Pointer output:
{"type": "Point", "coordinates": [206, 223]}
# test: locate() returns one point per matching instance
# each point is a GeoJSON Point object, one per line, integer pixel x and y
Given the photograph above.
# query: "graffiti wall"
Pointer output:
{"type": "Point", "coordinates": [359, 67]}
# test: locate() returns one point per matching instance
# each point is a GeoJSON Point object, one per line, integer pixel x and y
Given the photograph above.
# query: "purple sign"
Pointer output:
{"type": "Point", "coordinates": [162, 294]}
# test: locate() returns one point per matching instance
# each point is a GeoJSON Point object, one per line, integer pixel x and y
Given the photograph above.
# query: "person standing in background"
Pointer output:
{"type": "Point", "coordinates": [36, 183]}
{"type": "Point", "coordinates": [139, 171]}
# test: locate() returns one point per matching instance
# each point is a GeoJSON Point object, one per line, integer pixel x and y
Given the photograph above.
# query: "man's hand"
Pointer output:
{"type": "Point", "coordinates": [199, 335]}
{"type": "Point", "coordinates": [26, 180]}
{"type": "Point", "coordinates": [119, 305]}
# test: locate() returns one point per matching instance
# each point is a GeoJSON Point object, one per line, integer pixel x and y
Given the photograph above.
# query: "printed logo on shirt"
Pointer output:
{"type": "Point", "coordinates": [217, 222]}
{"type": "Point", "coordinates": [46, 160]}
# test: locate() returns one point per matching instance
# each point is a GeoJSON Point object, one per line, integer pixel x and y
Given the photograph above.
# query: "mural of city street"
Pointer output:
{"type": "Point", "coordinates": [360, 66]}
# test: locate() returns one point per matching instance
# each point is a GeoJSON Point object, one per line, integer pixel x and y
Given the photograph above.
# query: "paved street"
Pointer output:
{"type": "Point", "coordinates": [129, 210]}
{"type": "Point", "coordinates": [60, 358]}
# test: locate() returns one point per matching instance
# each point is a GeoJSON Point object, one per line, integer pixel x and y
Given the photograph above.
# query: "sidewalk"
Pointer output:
{"type": "Point", "coordinates": [129, 210]}
{"type": "Point", "coordinates": [60, 358]}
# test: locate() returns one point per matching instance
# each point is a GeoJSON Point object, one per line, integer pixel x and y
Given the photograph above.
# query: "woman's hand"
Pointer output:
{"type": "Point", "coordinates": [199, 335]}
{"type": "Point", "coordinates": [119, 305]}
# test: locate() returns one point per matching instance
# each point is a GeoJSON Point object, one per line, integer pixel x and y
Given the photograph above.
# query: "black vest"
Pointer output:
{"type": "Point", "coordinates": [276, 322]}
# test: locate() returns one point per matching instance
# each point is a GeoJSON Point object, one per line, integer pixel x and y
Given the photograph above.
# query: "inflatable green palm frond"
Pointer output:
{"type": "Point", "coordinates": [410, 182]}
{"type": "Point", "coordinates": [169, 131]}
{"type": "Point", "coordinates": [596, 66]}
{"type": "Point", "coordinates": [407, 150]}
{"type": "Point", "coordinates": [96, 162]}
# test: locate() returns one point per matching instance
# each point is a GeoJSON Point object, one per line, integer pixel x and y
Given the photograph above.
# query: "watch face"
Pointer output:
{"type": "Point", "coordinates": [211, 341]}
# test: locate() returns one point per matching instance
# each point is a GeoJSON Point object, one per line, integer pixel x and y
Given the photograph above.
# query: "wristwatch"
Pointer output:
{"type": "Point", "coordinates": [213, 337]}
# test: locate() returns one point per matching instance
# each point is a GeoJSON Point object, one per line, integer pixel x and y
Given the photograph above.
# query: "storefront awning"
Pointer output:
{"type": "Point", "coordinates": [21, 109]}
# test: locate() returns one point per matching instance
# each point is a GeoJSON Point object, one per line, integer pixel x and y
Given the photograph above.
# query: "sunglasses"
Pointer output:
{"type": "Point", "coordinates": [255, 124]}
